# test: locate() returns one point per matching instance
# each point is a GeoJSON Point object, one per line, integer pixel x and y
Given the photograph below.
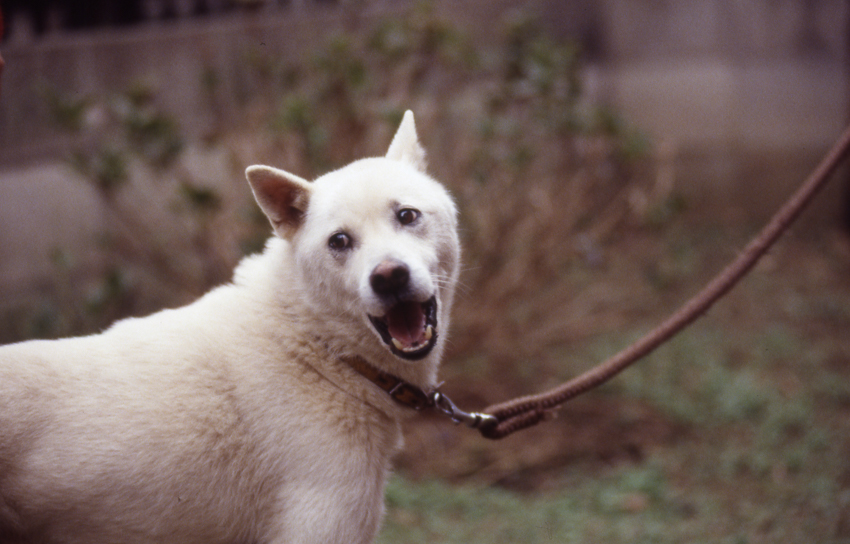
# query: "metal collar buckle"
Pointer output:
{"type": "Point", "coordinates": [475, 420]}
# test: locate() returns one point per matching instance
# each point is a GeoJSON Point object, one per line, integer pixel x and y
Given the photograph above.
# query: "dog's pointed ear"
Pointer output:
{"type": "Point", "coordinates": [405, 145]}
{"type": "Point", "coordinates": [282, 196]}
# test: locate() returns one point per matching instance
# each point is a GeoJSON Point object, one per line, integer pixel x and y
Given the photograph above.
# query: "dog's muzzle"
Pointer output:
{"type": "Point", "coordinates": [408, 327]}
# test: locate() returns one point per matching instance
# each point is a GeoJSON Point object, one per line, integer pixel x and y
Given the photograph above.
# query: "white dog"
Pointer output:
{"type": "Point", "coordinates": [259, 413]}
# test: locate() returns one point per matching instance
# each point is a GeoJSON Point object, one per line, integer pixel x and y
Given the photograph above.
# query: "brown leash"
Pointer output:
{"type": "Point", "coordinates": [500, 420]}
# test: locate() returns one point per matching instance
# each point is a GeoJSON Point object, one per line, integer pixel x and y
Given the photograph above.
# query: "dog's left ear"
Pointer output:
{"type": "Point", "coordinates": [282, 196]}
{"type": "Point", "coordinates": [405, 145]}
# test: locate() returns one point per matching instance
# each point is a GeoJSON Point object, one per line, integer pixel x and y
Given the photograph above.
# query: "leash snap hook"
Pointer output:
{"type": "Point", "coordinates": [474, 420]}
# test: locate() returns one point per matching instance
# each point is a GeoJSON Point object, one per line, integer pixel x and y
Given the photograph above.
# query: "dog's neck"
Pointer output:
{"type": "Point", "coordinates": [399, 390]}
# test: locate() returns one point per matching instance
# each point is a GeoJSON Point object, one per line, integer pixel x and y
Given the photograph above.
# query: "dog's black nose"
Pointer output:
{"type": "Point", "coordinates": [391, 277]}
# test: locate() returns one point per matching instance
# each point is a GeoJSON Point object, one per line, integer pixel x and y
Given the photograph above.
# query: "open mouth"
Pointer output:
{"type": "Point", "coordinates": [409, 328]}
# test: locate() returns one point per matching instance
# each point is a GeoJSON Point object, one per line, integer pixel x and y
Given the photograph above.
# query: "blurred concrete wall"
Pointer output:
{"type": "Point", "coordinates": [757, 73]}
{"type": "Point", "coordinates": [747, 94]}
{"type": "Point", "coordinates": [170, 56]}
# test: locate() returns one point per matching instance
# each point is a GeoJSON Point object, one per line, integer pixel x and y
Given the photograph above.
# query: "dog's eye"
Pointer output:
{"type": "Point", "coordinates": [407, 216]}
{"type": "Point", "coordinates": [339, 241]}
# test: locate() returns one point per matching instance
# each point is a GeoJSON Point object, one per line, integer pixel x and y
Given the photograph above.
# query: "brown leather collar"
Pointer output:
{"type": "Point", "coordinates": [409, 395]}
{"type": "Point", "coordinates": [402, 392]}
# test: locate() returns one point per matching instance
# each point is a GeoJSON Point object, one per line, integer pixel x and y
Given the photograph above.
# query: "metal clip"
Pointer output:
{"type": "Point", "coordinates": [474, 420]}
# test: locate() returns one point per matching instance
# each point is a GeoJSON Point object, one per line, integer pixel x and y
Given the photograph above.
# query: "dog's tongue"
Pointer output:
{"type": "Point", "coordinates": [406, 323]}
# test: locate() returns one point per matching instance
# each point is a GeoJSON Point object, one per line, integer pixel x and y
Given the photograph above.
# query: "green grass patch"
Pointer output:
{"type": "Point", "coordinates": [705, 376]}
{"type": "Point", "coordinates": [630, 504]}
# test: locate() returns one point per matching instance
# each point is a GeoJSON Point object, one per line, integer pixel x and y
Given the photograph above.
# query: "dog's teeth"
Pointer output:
{"type": "Point", "coordinates": [427, 336]}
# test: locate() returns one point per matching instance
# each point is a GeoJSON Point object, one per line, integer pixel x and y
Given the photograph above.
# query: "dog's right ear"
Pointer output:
{"type": "Point", "coordinates": [405, 145]}
{"type": "Point", "coordinates": [282, 196]}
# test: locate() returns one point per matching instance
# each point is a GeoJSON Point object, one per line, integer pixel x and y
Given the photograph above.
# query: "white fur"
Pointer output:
{"type": "Point", "coordinates": [232, 419]}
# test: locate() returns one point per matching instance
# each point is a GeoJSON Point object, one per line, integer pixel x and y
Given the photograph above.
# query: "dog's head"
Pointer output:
{"type": "Point", "coordinates": [376, 239]}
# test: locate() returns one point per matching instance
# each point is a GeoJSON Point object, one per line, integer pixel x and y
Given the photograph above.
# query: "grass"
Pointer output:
{"type": "Point", "coordinates": [634, 504]}
{"type": "Point", "coordinates": [696, 378]}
